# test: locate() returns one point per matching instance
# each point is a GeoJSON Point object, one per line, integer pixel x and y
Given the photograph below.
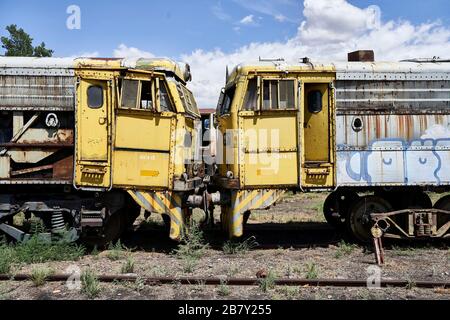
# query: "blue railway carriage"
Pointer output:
{"type": "Point", "coordinates": [392, 128]}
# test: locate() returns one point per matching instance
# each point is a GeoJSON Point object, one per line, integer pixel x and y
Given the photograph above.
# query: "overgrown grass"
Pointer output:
{"type": "Point", "coordinates": [192, 244]}
{"type": "Point", "coordinates": [6, 259]}
{"type": "Point", "coordinates": [312, 271]}
{"type": "Point", "coordinates": [90, 284]}
{"type": "Point", "coordinates": [288, 293]}
{"type": "Point", "coordinates": [267, 283]}
{"type": "Point", "coordinates": [39, 276]}
{"type": "Point", "coordinates": [223, 289]}
{"type": "Point", "coordinates": [403, 251]}
{"type": "Point", "coordinates": [241, 247]}
{"type": "Point", "coordinates": [37, 250]}
{"type": "Point", "coordinates": [116, 251]}
{"type": "Point", "coordinates": [191, 248]}
{"type": "Point", "coordinates": [344, 249]}
{"type": "Point", "coordinates": [128, 266]}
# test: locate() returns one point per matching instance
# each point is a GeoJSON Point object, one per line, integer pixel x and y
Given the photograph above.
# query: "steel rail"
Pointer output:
{"type": "Point", "coordinates": [384, 283]}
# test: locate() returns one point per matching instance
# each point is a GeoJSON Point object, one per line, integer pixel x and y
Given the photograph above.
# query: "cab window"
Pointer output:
{"type": "Point", "coordinates": [166, 103]}
{"type": "Point", "coordinates": [187, 98]}
{"type": "Point", "coordinates": [146, 96]}
{"type": "Point", "coordinates": [142, 94]}
{"type": "Point", "coordinates": [251, 96]}
{"type": "Point", "coordinates": [278, 94]}
{"type": "Point", "coordinates": [95, 97]}
{"type": "Point", "coordinates": [130, 90]}
{"type": "Point", "coordinates": [227, 100]}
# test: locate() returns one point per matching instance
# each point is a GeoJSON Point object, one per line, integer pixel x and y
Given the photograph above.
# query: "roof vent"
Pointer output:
{"type": "Point", "coordinates": [306, 60]}
{"type": "Point", "coordinates": [361, 56]}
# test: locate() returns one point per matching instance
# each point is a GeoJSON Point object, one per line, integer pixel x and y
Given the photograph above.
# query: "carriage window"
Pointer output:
{"type": "Point", "coordinates": [166, 104]}
{"type": "Point", "coordinates": [315, 101]}
{"type": "Point", "coordinates": [251, 97]}
{"type": "Point", "coordinates": [129, 94]}
{"type": "Point", "coordinates": [278, 94]}
{"type": "Point", "coordinates": [95, 97]}
{"type": "Point", "coordinates": [287, 94]}
{"type": "Point", "coordinates": [146, 95]}
{"type": "Point", "coordinates": [266, 95]}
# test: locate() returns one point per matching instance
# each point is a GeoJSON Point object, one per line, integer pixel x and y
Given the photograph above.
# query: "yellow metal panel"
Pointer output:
{"type": "Point", "coordinates": [270, 148]}
{"type": "Point", "coordinates": [278, 169]}
{"type": "Point", "coordinates": [141, 169]}
{"type": "Point", "coordinates": [274, 131]}
{"type": "Point", "coordinates": [98, 63]}
{"type": "Point", "coordinates": [143, 131]}
{"type": "Point", "coordinates": [317, 127]}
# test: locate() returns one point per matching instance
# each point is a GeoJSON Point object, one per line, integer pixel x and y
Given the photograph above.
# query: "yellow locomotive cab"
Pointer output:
{"type": "Point", "coordinates": [277, 126]}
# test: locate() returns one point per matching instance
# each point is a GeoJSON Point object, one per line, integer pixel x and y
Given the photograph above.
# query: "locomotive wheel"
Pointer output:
{"type": "Point", "coordinates": [407, 200]}
{"type": "Point", "coordinates": [337, 205]}
{"type": "Point", "coordinates": [419, 200]}
{"type": "Point", "coordinates": [359, 222]}
{"type": "Point", "coordinates": [442, 204]}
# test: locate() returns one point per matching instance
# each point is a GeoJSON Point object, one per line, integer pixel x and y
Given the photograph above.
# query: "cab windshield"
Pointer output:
{"type": "Point", "coordinates": [225, 101]}
{"type": "Point", "coordinates": [187, 98]}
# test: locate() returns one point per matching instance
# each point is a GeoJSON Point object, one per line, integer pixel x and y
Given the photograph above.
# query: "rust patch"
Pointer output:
{"type": "Point", "coordinates": [63, 169]}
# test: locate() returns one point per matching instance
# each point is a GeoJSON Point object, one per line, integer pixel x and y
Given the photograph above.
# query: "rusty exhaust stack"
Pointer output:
{"type": "Point", "coordinates": [361, 56]}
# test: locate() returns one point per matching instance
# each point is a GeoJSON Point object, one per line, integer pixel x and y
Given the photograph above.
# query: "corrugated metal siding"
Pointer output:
{"type": "Point", "coordinates": [35, 89]}
{"type": "Point", "coordinates": [411, 96]}
{"type": "Point", "coordinates": [405, 133]}
{"type": "Point", "coordinates": [378, 127]}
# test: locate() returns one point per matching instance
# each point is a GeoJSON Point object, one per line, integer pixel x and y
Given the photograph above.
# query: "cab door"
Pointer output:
{"type": "Point", "coordinates": [269, 123]}
{"type": "Point", "coordinates": [318, 135]}
{"type": "Point", "coordinates": [93, 158]}
{"type": "Point", "coordinates": [144, 136]}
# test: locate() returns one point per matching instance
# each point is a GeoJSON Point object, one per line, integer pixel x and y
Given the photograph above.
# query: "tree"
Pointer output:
{"type": "Point", "coordinates": [20, 44]}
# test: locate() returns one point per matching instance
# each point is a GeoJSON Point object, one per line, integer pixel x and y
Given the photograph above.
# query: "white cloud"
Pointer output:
{"type": "Point", "coordinates": [280, 18]}
{"type": "Point", "coordinates": [267, 7]}
{"type": "Point", "coordinates": [131, 53]}
{"type": "Point", "coordinates": [219, 12]}
{"type": "Point", "coordinates": [93, 54]}
{"type": "Point", "coordinates": [331, 29]}
{"type": "Point", "coordinates": [247, 20]}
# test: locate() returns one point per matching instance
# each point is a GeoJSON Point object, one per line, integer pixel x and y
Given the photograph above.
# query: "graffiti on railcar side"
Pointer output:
{"type": "Point", "coordinates": [396, 161]}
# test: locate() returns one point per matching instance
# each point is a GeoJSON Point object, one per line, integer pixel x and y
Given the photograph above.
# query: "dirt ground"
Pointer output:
{"type": "Point", "coordinates": [295, 222]}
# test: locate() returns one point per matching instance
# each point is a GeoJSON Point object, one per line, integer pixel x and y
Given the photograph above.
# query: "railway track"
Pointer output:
{"type": "Point", "coordinates": [384, 283]}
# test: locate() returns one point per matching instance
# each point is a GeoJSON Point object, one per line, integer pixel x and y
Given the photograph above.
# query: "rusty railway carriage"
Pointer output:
{"type": "Point", "coordinates": [376, 134]}
{"type": "Point", "coordinates": [86, 143]}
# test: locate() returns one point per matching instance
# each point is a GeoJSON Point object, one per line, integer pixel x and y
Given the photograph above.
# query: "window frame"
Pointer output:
{"type": "Point", "coordinates": [225, 96]}
{"type": "Point", "coordinates": [155, 83]}
{"type": "Point", "coordinates": [270, 79]}
{"type": "Point", "coordinates": [260, 93]}
{"type": "Point", "coordinates": [187, 100]}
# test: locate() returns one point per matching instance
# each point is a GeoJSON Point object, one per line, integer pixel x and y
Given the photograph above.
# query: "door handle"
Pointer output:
{"type": "Point", "coordinates": [102, 120]}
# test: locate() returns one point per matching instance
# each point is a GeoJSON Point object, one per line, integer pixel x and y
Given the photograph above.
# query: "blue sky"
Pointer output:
{"type": "Point", "coordinates": [173, 27]}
